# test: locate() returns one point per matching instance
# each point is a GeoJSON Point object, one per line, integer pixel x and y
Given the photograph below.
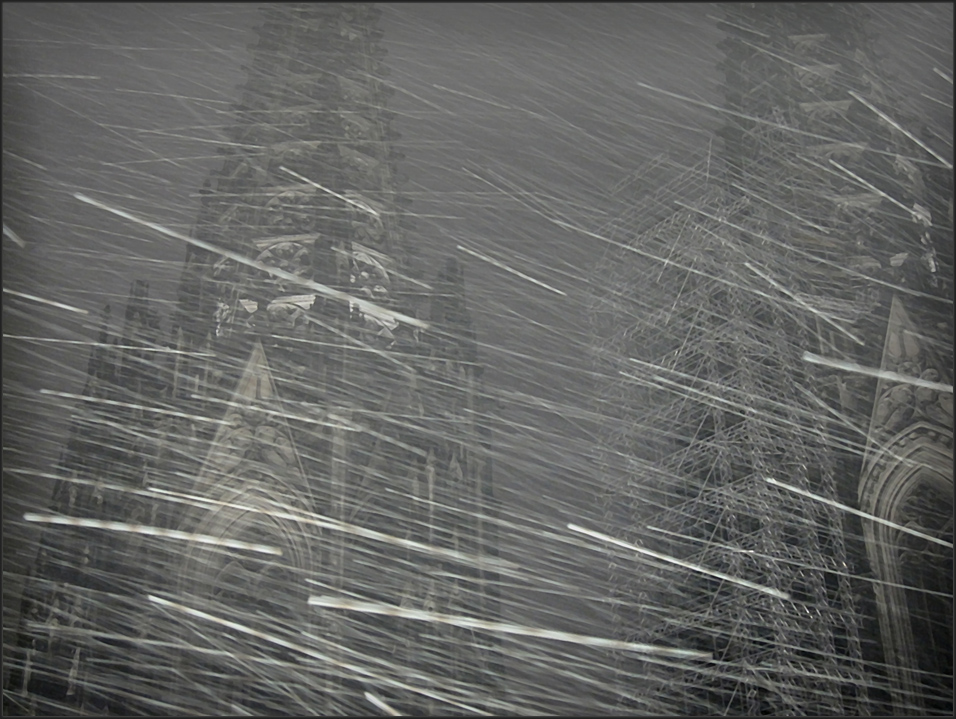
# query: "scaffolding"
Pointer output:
{"type": "Point", "coordinates": [725, 450]}
{"type": "Point", "coordinates": [708, 365]}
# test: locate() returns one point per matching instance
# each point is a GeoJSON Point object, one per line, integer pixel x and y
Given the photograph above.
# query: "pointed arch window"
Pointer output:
{"type": "Point", "coordinates": [915, 568]}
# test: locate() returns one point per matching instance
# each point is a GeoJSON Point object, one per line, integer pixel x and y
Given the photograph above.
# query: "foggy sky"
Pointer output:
{"type": "Point", "coordinates": [125, 102]}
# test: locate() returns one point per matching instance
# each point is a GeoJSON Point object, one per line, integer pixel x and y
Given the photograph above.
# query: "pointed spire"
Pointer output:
{"type": "Point", "coordinates": [285, 190]}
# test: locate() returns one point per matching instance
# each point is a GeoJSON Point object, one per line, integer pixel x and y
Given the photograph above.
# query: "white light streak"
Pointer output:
{"type": "Point", "coordinates": [51, 76]}
{"type": "Point", "coordinates": [130, 405]}
{"type": "Point", "coordinates": [857, 512]}
{"type": "Point", "coordinates": [7, 232]}
{"type": "Point", "coordinates": [319, 520]}
{"type": "Point", "coordinates": [34, 298]}
{"type": "Point", "coordinates": [503, 266]}
{"type": "Point", "coordinates": [680, 563]}
{"type": "Point", "coordinates": [364, 305]}
{"type": "Point", "coordinates": [376, 702]}
{"type": "Point", "coordinates": [872, 372]}
{"type": "Point", "coordinates": [306, 651]}
{"type": "Point", "coordinates": [151, 531]}
{"type": "Point", "coordinates": [390, 610]}
{"type": "Point", "coordinates": [361, 205]}
{"type": "Point", "coordinates": [90, 343]}
{"type": "Point", "coordinates": [804, 305]}
{"type": "Point", "coordinates": [883, 116]}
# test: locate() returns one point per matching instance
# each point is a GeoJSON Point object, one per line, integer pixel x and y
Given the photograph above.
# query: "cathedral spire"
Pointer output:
{"type": "Point", "coordinates": [308, 182]}
{"type": "Point", "coordinates": [300, 386]}
{"type": "Point", "coordinates": [823, 218]}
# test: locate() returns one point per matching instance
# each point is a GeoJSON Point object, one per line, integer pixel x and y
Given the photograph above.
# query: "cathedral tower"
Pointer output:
{"type": "Point", "coordinates": [309, 435]}
{"type": "Point", "coordinates": [782, 346]}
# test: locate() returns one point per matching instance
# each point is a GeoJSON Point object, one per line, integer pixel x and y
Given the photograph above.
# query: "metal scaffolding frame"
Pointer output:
{"type": "Point", "coordinates": [726, 450]}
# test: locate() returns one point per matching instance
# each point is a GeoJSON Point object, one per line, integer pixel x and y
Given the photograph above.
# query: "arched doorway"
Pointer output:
{"type": "Point", "coordinates": [244, 658]}
{"type": "Point", "coordinates": [910, 487]}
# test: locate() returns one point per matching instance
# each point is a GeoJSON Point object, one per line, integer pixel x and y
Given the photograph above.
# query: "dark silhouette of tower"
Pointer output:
{"type": "Point", "coordinates": [310, 429]}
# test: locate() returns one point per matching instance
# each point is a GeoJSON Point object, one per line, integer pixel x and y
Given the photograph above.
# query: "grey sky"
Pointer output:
{"type": "Point", "coordinates": [123, 102]}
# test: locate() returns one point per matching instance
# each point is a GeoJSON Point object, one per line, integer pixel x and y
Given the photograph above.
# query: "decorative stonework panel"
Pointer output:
{"type": "Point", "coordinates": [898, 404]}
{"type": "Point", "coordinates": [908, 480]}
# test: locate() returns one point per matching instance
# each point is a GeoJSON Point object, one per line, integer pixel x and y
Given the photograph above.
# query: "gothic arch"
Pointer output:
{"type": "Point", "coordinates": [265, 594]}
{"type": "Point", "coordinates": [245, 502]}
{"type": "Point", "coordinates": [910, 466]}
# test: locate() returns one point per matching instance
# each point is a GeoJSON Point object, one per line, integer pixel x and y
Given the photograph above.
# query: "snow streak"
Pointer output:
{"type": "Point", "coordinates": [495, 359]}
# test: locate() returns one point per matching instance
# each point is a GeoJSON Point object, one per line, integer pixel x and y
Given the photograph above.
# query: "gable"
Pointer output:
{"type": "Point", "coordinates": [254, 442]}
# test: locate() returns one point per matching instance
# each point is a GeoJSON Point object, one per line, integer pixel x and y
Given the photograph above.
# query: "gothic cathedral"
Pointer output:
{"type": "Point", "coordinates": [307, 432]}
{"type": "Point", "coordinates": [779, 324]}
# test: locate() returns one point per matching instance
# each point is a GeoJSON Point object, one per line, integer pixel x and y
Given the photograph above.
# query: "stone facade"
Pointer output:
{"type": "Point", "coordinates": [310, 426]}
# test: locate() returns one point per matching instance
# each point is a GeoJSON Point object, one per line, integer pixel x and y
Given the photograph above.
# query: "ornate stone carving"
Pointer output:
{"type": "Point", "coordinates": [254, 434]}
{"type": "Point", "coordinates": [292, 211]}
{"type": "Point", "coordinates": [289, 256]}
{"type": "Point", "coordinates": [899, 404]}
{"type": "Point", "coordinates": [909, 459]}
